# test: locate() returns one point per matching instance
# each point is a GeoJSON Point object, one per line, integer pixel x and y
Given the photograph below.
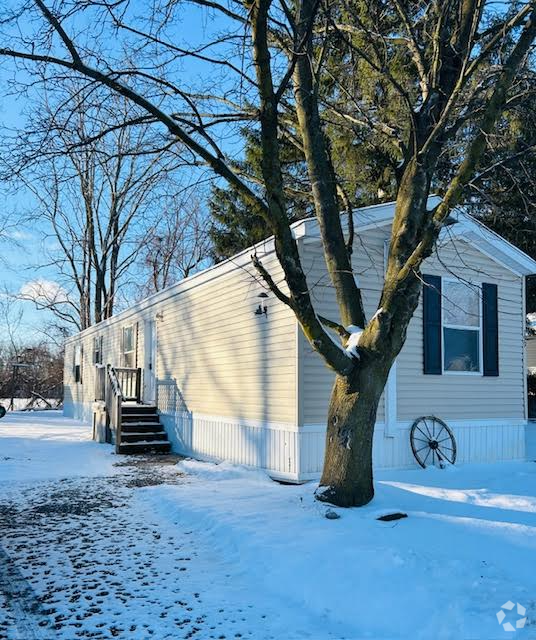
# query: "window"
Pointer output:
{"type": "Point", "coordinates": [97, 350]}
{"type": "Point", "coordinates": [128, 351]}
{"type": "Point", "coordinates": [77, 363]}
{"type": "Point", "coordinates": [461, 327]}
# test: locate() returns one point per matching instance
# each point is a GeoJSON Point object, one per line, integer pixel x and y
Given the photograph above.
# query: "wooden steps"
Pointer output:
{"type": "Point", "coordinates": [141, 430]}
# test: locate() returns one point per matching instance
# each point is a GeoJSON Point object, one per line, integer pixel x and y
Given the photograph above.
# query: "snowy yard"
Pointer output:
{"type": "Point", "coordinates": [90, 549]}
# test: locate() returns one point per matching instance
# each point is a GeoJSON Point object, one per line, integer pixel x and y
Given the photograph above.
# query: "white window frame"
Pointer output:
{"type": "Point", "coordinates": [133, 350]}
{"type": "Point", "coordinates": [446, 325]}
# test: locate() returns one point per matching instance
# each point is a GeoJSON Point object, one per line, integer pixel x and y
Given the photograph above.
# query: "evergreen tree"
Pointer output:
{"type": "Point", "coordinates": [235, 226]}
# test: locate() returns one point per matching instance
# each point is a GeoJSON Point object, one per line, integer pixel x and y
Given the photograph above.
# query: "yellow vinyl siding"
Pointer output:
{"type": "Point", "coordinates": [226, 360]}
{"type": "Point", "coordinates": [315, 378]}
{"type": "Point", "coordinates": [467, 397]}
{"type": "Point", "coordinates": [449, 396]}
{"type": "Point", "coordinates": [221, 358]}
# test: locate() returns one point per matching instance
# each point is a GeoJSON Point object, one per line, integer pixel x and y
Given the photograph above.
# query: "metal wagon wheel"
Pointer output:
{"type": "Point", "coordinates": [432, 442]}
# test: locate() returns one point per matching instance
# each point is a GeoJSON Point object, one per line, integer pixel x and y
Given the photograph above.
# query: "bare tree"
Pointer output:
{"type": "Point", "coordinates": [10, 320]}
{"type": "Point", "coordinates": [441, 45]}
{"type": "Point", "coordinates": [43, 375]}
{"type": "Point", "coordinates": [177, 245]}
{"type": "Point", "coordinates": [96, 195]}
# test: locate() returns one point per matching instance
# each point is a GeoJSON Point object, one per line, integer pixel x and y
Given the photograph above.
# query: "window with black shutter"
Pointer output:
{"type": "Point", "coordinates": [77, 363]}
{"type": "Point", "coordinates": [460, 327]}
{"type": "Point", "coordinates": [97, 350]}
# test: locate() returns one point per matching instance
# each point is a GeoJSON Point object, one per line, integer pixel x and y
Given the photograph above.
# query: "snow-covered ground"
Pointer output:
{"type": "Point", "coordinates": [43, 445]}
{"type": "Point", "coordinates": [194, 550]}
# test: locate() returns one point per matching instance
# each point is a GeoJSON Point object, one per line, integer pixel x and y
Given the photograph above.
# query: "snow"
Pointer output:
{"type": "Point", "coordinates": [441, 573]}
{"type": "Point", "coordinates": [43, 445]}
{"type": "Point", "coordinates": [223, 471]}
{"type": "Point", "coordinates": [22, 403]}
{"type": "Point", "coordinates": [221, 551]}
{"type": "Point", "coordinates": [353, 341]}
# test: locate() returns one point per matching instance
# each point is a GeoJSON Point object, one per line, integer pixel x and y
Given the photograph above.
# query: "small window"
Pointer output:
{"type": "Point", "coordinates": [77, 363]}
{"type": "Point", "coordinates": [97, 350]}
{"type": "Point", "coordinates": [128, 354]}
{"type": "Point", "coordinates": [461, 327]}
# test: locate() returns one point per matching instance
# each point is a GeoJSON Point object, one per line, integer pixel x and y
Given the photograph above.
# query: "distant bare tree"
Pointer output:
{"type": "Point", "coordinates": [44, 375]}
{"type": "Point", "coordinates": [10, 319]}
{"type": "Point", "coordinates": [96, 196]}
{"type": "Point", "coordinates": [177, 245]}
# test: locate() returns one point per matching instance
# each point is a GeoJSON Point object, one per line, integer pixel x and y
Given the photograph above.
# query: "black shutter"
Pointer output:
{"type": "Point", "coordinates": [490, 329]}
{"type": "Point", "coordinates": [431, 300]}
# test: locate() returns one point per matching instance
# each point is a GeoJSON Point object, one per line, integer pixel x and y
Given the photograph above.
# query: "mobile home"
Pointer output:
{"type": "Point", "coordinates": [233, 378]}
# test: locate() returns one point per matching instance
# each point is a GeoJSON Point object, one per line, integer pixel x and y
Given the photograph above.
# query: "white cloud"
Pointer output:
{"type": "Point", "coordinates": [43, 291]}
{"type": "Point", "coordinates": [18, 235]}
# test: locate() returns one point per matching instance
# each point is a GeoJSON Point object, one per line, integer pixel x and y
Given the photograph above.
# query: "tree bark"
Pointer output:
{"type": "Point", "coordinates": [347, 478]}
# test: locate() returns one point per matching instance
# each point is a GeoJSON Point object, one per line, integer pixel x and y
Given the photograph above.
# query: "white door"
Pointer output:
{"type": "Point", "coordinates": [149, 371]}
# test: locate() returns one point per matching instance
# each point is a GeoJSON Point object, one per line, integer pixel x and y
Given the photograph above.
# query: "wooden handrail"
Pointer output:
{"type": "Point", "coordinates": [122, 384]}
{"type": "Point", "coordinates": [129, 380]}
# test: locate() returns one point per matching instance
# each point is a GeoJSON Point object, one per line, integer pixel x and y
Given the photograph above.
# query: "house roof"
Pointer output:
{"type": "Point", "coordinates": [464, 226]}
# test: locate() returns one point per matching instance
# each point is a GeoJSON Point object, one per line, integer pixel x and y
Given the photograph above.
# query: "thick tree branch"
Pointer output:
{"type": "Point", "coordinates": [476, 149]}
{"type": "Point", "coordinates": [323, 181]}
{"type": "Point", "coordinates": [285, 245]}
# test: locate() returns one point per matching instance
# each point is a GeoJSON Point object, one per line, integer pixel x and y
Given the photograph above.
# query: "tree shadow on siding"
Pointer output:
{"type": "Point", "coordinates": [175, 416]}
{"type": "Point", "coordinates": [247, 444]}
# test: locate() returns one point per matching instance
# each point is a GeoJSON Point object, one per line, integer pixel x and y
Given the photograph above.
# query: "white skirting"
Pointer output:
{"type": "Point", "coordinates": [476, 440]}
{"type": "Point", "coordinates": [273, 447]}
{"type": "Point", "coordinates": [530, 441]}
{"type": "Point", "coordinates": [82, 411]}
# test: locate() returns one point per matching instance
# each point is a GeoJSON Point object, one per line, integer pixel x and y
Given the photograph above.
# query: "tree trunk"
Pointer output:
{"type": "Point", "coordinates": [347, 475]}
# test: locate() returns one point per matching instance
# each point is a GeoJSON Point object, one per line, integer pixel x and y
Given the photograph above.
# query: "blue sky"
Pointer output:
{"type": "Point", "coordinates": [22, 247]}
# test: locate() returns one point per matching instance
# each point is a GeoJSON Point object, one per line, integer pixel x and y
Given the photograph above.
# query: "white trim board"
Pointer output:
{"type": "Point", "coordinates": [319, 427]}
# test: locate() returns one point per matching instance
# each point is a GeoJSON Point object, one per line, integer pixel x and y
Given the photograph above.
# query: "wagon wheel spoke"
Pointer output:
{"type": "Point", "coordinates": [424, 434]}
{"type": "Point", "coordinates": [422, 449]}
{"type": "Point", "coordinates": [448, 457]}
{"type": "Point", "coordinates": [427, 429]}
{"type": "Point", "coordinates": [432, 434]}
{"type": "Point", "coordinates": [426, 458]}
